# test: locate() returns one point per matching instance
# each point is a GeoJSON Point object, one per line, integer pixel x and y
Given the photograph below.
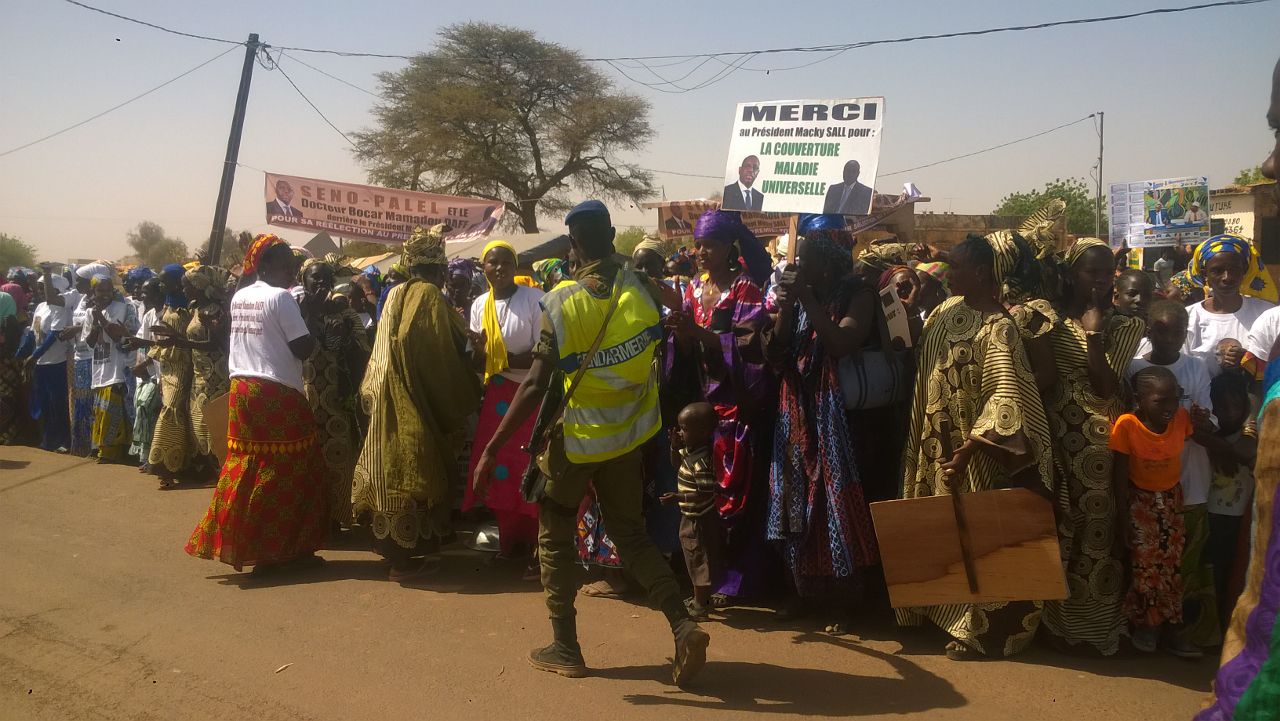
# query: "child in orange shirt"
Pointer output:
{"type": "Point", "coordinates": [1147, 445]}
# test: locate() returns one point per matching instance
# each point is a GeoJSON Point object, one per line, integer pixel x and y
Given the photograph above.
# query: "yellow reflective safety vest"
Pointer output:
{"type": "Point", "coordinates": [615, 408]}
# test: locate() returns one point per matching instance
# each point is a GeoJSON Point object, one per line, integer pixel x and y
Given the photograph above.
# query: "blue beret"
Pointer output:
{"type": "Point", "coordinates": [584, 209]}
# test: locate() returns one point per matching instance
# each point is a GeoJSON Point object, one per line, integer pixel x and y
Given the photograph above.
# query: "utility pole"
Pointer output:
{"type": "Point", "coordinates": [233, 151]}
{"type": "Point", "coordinates": [1097, 221]}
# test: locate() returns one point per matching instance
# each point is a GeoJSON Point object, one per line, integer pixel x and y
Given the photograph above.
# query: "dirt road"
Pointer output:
{"type": "Point", "coordinates": [102, 616]}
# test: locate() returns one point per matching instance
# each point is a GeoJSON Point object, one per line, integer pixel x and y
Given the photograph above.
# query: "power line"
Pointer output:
{"type": "Point", "coordinates": [940, 36]}
{"type": "Point", "coordinates": [987, 150]}
{"type": "Point", "coordinates": [683, 175]}
{"type": "Point", "coordinates": [153, 25]}
{"type": "Point", "coordinates": [332, 77]}
{"type": "Point", "coordinates": [833, 48]}
{"type": "Point", "coordinates": [276, 66]}
{"type": "Point", "coordinates": [116, 107]}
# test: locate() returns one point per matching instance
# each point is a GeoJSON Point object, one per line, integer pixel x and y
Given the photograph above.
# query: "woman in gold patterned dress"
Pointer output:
{"type": "Point", "coordinates": [332, 376]}
{"type": "Point", "coordinates": [172, 447]}
{"type": "Point", "coordinates": [419, 391]}
{"type": "Point", "coordinates": [1092, 347]}
{"type": "Point", "coordinates": [208, 337]}
{"type": "Point", "coordinates": [975, 393]}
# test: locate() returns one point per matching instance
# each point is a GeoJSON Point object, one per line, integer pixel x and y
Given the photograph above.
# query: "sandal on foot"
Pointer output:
{"type": "Point", "coordinates": [957, 651]}
{"type": "Point", "coordinates": [720, 600]}
{"type": "Point", "coordinates": [415, 570]}
{"type": "Point", "coordinates": [601, 589]}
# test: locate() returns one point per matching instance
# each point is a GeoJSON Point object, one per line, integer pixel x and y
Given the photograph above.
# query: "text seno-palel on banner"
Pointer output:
{"type": "Point", "coordinates": [804, 156]}
{"type": "Point", "coordinates": [368, 212]}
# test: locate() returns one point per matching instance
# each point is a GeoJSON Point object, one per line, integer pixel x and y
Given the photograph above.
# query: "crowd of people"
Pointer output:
{"type": "Point", "coordinates": [715, 413]}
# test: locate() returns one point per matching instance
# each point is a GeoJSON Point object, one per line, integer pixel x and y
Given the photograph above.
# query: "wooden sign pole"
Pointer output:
{"type": "Point", "coordinates": [793, 227]}
{"type": "Point", "coordinates": [962, 528]}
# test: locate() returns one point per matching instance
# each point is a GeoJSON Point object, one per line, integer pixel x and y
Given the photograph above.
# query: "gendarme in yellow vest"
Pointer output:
{"type": "Point", "coordinates": [615, 408]}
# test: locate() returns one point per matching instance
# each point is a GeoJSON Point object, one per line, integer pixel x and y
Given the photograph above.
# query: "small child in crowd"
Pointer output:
{"type": "Point", "coordinates": [697, 493]}
{"type": "Point", "coordinates": [1232, 488]}
{"type": "Point", "coordinates": [1166, 333]}
{"type": "Point", "coordinates": [1133, 292]}
{"type": "Point", "coordinates": [1147, 445]}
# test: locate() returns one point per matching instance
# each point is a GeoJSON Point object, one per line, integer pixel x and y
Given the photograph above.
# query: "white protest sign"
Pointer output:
{"type": "Point", "coordinates": [804, 156]}
{"type": "Point", "coordinates": [895, 316]}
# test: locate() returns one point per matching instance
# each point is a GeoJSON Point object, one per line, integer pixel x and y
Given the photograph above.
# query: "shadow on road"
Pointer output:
{"type": "Point", "coordinates": [1195, 675]}
{"type": "Point", "coordinates": [460, 572]}
{"type": "Point", "coordinates": [766, 688]}
{"type": "Point", "coordinates": [8, 465]}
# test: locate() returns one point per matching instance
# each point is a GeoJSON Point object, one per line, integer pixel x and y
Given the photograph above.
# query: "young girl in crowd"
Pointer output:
{"type": "Point", "coordinates": [1147, 447]}
{"type": "Point", "coordinates": [1166, 334]}
{"type": "Point", "coordinates": [1232, 489]}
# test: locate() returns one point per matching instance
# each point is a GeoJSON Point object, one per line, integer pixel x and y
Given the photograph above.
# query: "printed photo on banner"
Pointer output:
{"type": "Point", "coordinates": [368, 212]}
{"type": "Point", "coordinates": [804, 156]}
{"type": "Point", "coordinates": [676, 218]}
{"type": "Point", "coordinates": [1176, 209]}
{"type": "Point", "coordinates": [1156, 213]}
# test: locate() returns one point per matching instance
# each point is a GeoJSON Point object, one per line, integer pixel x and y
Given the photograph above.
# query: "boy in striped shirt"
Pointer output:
{"type": "Point", "coordinates": [697, 493]}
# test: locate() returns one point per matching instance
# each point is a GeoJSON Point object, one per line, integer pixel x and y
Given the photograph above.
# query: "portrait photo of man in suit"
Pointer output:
{"type": "Point", "coordinates": [849, 197]}
{"type": "Point", "coordinates": [281, 206]}
{"type": "Point", "coordinates": [1159, 216]}
{"type": "Point", "coordinates": [740, 195]}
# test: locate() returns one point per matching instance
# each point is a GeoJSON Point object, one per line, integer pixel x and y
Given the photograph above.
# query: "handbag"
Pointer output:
{"type": "Point", "coordinates": [546, 445]}
{"type": "Point", "coordinates": [874, 378]}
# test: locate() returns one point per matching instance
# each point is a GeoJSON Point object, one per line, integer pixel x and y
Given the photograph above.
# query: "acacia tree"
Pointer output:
{"type": "Point", "coordinates": [154, 248]}
{"type": "Point", "coordinates": [494, 112]}
{"type": "Point", "coordinates": [15, 253]}
{"type": "Point", "coordinates": [1072, 191]}
{"type": "Point", "coordinates": [1249, 176]}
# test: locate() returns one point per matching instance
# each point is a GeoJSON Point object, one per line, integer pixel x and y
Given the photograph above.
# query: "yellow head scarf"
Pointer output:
{"type": "Point", "coordinates": [1257, 280]}
{"type": "Point", "coordinates": [495, 349]}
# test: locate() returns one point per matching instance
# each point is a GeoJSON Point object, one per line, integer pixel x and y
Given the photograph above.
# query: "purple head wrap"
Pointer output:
{"type": "Point", "coordinates": [727, 227]}
{"type": "Point", "coordinates": [462, 266]}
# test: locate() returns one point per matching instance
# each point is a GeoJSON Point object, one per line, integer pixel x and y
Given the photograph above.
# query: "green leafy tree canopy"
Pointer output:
{"type": "Point", "coordinates": [1249, 176]}
{"type": "Point", "coordinates": [155, 249]}
{"type": "Point", "coordinates": [1073, 191]}
{"type": "Point", "coordinates": [627, 239]}
{"type": "Point", "coordinates": [232, 252]}
{"type": "Point", "coordinates": [14, 253]}
{"type": "Point", "coordinates": [494, 112]}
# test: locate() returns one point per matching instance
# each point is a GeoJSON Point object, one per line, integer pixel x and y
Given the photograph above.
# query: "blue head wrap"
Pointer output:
{"type": "Point", "coordinates": [172, 273]}
{"type": "Point", "coordinates": [811, 223]}
{"type": "Point", "coordinates": [141, 274]}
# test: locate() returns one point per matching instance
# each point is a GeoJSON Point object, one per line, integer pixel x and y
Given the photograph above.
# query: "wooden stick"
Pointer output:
{"type": "Point", "coordinates": [962, 528]}
{"type": "Point", "coordinates": [793, 227]}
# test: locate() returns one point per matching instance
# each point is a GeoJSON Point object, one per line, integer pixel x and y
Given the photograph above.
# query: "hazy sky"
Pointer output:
{"type": "Point", "coordinates": [1183, 94]}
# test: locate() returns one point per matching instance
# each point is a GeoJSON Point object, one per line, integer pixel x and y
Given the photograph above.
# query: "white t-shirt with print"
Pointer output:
{"type": "Point", "coordinates": [1193, 376]}
{"type": "Point", "coordinates": [51, 319]}
{"type": "Point", "coordinates": [519, 317]}
{"type": "Point", "coordinates": [1263, 334]}
{"type": "Point", "coordinates": [110, 362]}
{"type": "Point", "coordinates": [264, 319]}
{"type": "Point", "coordinates": [1205, 330]}
{"type": "Point", "coordinates": [149, 318]}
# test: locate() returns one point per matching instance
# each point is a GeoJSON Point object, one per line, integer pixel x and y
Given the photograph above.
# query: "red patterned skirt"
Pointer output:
{"type": "Point", "coordinates": [270, 505]}
{"type": "Point", "coordinates": [1157, 537]}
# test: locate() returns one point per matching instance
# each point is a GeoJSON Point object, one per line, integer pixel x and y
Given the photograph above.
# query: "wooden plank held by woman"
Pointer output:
{"type": "Point", "coordinates": [1007, 547]}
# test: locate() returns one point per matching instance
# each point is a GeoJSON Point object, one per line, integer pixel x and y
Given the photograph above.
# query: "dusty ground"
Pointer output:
{"type": "Point", "coordinates": [102, 616]}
